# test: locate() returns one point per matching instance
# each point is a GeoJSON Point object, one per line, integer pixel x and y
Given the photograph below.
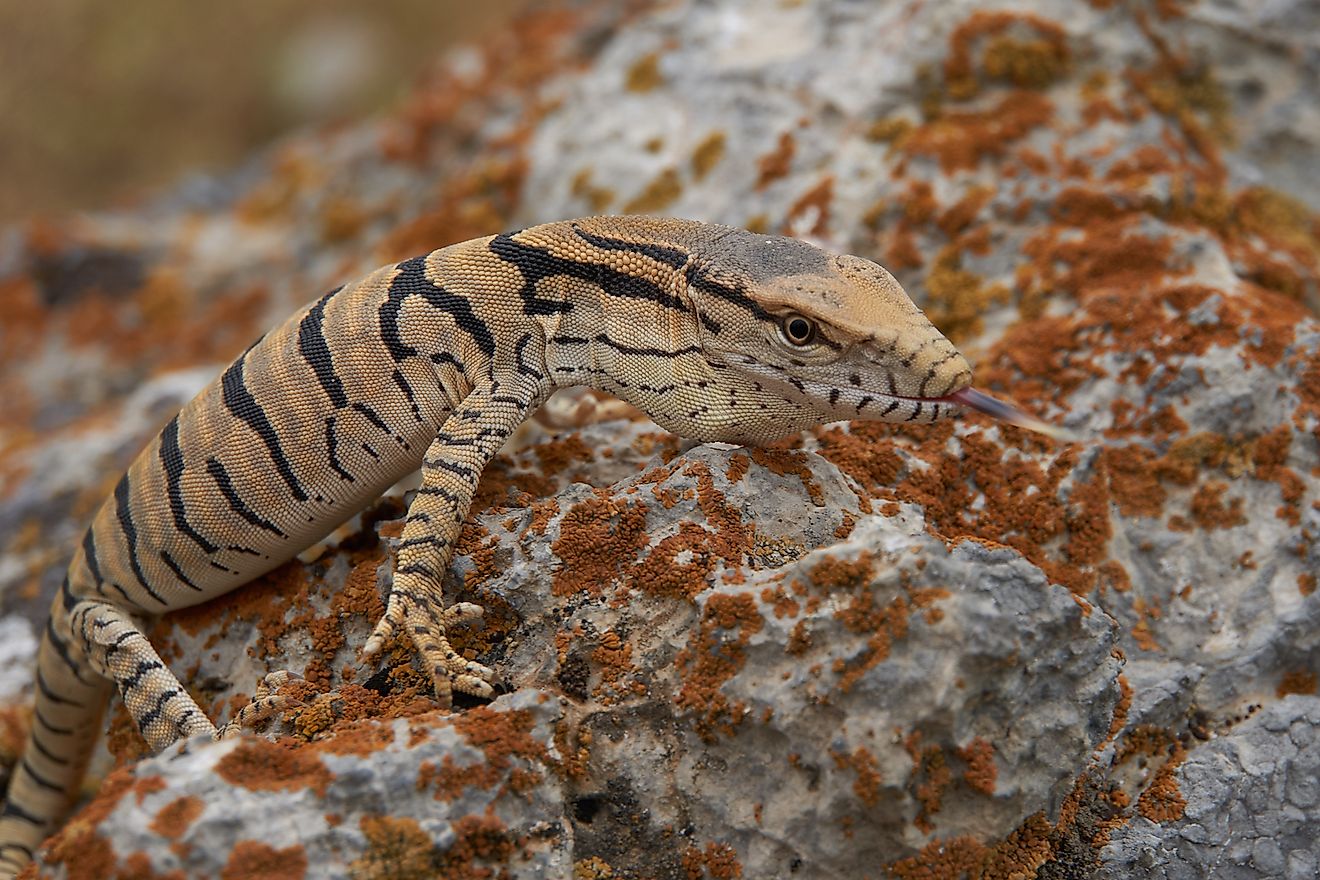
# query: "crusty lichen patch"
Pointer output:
{"type": "Point", "coordinates": [1017, 857]}
{"type": "Point", "coordinates": [261, 765]}
{"type": "Point", "coordinates": [1026, 51]}
{"type": "Point", "coordinates": [173, 819]}
{"type": "Point", "coordinates": [503, 738]}
{"type": "Point", "coordinates": [78, 846]}
{"type": "Point", "coordinates": [717, 861]}
{"type": "Point", "coordinates": [397, 849]}
{"type": "Point", "coordinates": [715, 653]}
{"type": "Point", "coordinates": [252, 860]}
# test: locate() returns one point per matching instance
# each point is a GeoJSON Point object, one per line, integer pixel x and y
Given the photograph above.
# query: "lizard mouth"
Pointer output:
{"type": "Point", "coordinates": [1004, 412]}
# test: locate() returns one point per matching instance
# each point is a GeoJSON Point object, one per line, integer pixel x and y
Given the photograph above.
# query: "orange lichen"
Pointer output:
{"type": "Point", "coordinates": [250, 860]}
{"type": "Point", "coordinates": [963, 139]}
{"type": "Point", "coordinates": [1035, 59]}
{"type": "Point", "coordinates": [981, 772]}
{"type": "Point", "coordinates": [707, 154]}
{"type": "Point", "coordinates": [712, 657]}
{"type": "Point", "coordinates": [1162, 801]}
{"type": "Point", "coordinates": [597, 538]}
{"type": "Point", "coordinates": [261, 765]}
{"type": "Point", "coordinates": [1296, 681]}
{"type": "Point", "coordinates": [875, 466]}
{"type": "Point", "coordinates": [965, 211]}
{"type": "Point", "coordinates": [1018, 857]}
{"type": "Point", "coordinates": [790, 462]}
{"type": "Point", "coordinates": [15, 722]}
{"type": "Point", "coordinates": [810, 214]}
{"type": "Point", "coordinates": [480, 841]}
{"type": "Point", "coordinates": [738, 464]}
{"type": "Point", "coordinates": [718, 861]}
{"type": "Point", "coordinates": [1121, 709]}
{"type": "Point", "coordinates": [502, 737]}
{"type": "Point", "coordinates": [173, 819]}
{"type": "Point", "coordinates": [776, 164]}
{"type": "Point", "coordinates": [931, 776]}
{"type": "Point", "coordinates": [613, 658]}
{"type": "Point", "coordinates": [644, 74]}
{"type": "Point", "coordinates": [1209, 510]}
{"type": "Point", "coordinates": [597, 198]}
{"type": "Point", "coordinates": [658, 194]}
{"type": "Point", "coordinates": [863, 763]}
{"type": "Point", "coordinates": [958, 298]}
{"type": "Point", "coordinates": [467, 206]}
{"type": "Point", "coordinates": [83, 852]}
{"type": "Point", "coordinates": [397, 849]}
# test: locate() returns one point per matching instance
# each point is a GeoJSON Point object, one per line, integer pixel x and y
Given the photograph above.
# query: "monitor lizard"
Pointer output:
{"type": "Point", "coordinates": [715, 332]}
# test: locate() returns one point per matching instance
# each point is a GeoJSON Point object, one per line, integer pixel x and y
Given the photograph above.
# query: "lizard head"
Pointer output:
{"type": "Point", "coordinates": [797, 336]}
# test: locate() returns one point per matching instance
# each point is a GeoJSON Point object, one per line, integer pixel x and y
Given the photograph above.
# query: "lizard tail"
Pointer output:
{"type": "Point", "coordinates": [65, 723]}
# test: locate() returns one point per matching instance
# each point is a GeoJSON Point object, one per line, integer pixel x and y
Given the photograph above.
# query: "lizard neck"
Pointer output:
{"type": "Point", "coordinates": [611, 296]}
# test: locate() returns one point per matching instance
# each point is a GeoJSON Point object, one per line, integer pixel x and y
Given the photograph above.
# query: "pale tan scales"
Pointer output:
{"type": "Point", "coordinates": [715, 332]}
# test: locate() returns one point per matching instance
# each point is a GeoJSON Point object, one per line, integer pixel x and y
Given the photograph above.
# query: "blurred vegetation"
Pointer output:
{"type": "Point", "coordinates": [100, 101]}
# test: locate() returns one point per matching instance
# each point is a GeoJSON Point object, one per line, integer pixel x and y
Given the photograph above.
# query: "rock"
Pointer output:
{"type": "Point", "coordinates": [876, 650]}
{"type": "Point", "coordinates": [1251, 805]}
{"type": "Point", "coordinates": [419, 798]}
{"type": "Point", "coordinates": [828, 706]}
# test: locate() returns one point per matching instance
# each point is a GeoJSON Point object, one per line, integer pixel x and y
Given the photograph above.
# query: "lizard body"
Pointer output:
{"type": "Point", "coordinates": [717, 333]}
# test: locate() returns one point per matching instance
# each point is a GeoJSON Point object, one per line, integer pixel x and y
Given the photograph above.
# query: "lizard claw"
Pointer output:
{"type": "Point", "coordinates": [427, 623]}
{"type": "Point", "coordinates": [386, 627]}
{"type": "Point", "coordinates": [266, 701]}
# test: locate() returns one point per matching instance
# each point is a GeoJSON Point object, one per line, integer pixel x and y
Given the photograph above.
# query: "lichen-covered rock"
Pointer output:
{"type": "Point", "coordinates": [1250, 805]}
{"type": "Point", "coordinates": [876, 651]}
{"type": "Point", "coordinates": [431, 796]}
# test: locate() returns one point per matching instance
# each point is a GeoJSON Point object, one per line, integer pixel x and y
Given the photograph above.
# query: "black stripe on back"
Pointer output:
{"type": "Point", "coordinates": [375, 419]}
{"type": "Point", "coordinates": [50, 694]}
{"type": "Point", "coordinates": [125, 516]}
{"type": "Point", "coordinates": [171, 456]}
{"type": "Point", "coordinates": [670, 256]}
{"type": "Point", "coordinates": [698, 278]}
{"type": "Point", "coordinates": [89, 555]}
{"type": "Point", "coordinates": [53, 728]}
{"type": "Point", "coordinates": [178, 572]}
{"type": "Point", "coordinates": [313, 348]}
{"type": "Point", "coordinates": [48, 754]}
{"type": "Point", "coordinates": [332, 449]}
{"type": "Point", "coordinates": [408, 393]}
{"type": "Point", "coordinates": [412, 281]}
{"type": "Point", "coordinates": [13, 809]}
{"type": "Point", "coordinates": [537, 264]}
{"type": "Point", "coordinates": [651, 352]}
{"type": "Point", "coordinates": [237, 504]}
{"type": "Point", "coordinates": [524, 368]}
{"type": "Point", "coordinates": [239, 401]}
{"type": "Point", "coordinates": [38, 778]}
{"type": "Point", "coordinates": [66, 595]}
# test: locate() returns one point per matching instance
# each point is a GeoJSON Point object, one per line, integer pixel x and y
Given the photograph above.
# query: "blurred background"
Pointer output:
{"type": "Point", "coordinates": [100, 101]}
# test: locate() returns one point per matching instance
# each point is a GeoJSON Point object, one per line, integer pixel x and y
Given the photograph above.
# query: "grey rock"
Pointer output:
{"type": "Point", "coordinates": [1255, 765]}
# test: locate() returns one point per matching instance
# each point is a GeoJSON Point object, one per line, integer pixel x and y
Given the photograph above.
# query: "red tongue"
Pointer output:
{"type": "Point", "coordinates": [1005, 412]}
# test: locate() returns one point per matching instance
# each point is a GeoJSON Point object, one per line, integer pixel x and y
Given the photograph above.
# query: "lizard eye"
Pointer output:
{"type": "Point", "coordinates": [798, 330]}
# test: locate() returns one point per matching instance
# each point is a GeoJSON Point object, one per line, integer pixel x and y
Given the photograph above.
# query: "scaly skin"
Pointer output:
{"type": "Point", "coordinates": [717, 333]}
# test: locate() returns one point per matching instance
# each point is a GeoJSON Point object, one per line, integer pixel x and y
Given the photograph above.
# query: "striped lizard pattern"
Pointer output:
{"type": "Point", "coordinates": [717, 333]}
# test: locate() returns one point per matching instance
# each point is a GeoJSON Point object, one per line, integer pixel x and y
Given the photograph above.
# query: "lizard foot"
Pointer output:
{"type": "Point", "coordinates": [265, 702]}
{"type": "Point", "coordinates": [427, 623]}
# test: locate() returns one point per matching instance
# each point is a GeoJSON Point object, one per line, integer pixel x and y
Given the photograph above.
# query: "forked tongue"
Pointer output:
{"type": "Point", "coordinates": [1006, 412]}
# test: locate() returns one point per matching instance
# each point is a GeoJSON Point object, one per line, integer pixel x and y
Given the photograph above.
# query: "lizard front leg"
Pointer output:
{"type": "Point", "coordinates": [469, 438]}
{"type": "Point", "coordinates": [118, 649]}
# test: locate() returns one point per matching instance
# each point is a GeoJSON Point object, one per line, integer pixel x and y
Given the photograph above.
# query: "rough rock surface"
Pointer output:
{"type": "Point", "coordinates": [951, 651]}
